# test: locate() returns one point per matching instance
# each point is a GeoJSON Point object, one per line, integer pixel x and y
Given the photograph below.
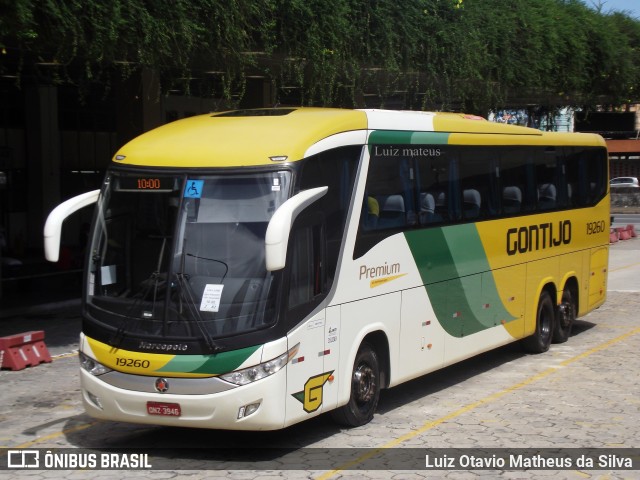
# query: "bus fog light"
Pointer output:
{"type": "Point", "coordinates": [247, 410]}
{"type": "Point", "coordinates": [94, 400]}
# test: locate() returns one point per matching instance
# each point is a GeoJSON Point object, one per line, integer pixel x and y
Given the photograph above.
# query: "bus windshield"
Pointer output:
{"type": "Point", "coordinates": [178, 256]}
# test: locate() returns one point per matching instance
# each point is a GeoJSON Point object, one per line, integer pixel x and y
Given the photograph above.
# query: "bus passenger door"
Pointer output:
{"type": "Point", "coordinates": [306, 373]}
{"type": "Point", "coordinates": [306, 376]}
{"type": "Point", "coordinates": [331, 355]}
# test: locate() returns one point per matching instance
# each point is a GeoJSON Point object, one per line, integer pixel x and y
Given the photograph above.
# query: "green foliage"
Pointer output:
{"type": "Point", "coordinates": [437, 54]}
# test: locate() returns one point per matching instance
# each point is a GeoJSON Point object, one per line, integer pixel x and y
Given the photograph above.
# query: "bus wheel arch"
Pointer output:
{"type": "Point", "coordinates": [540, 340]}
{"type": "Point", "coordinates": [380, 343]}
{"type": "Point", "coordinates": [567, 311]}
{"type": "Point", "coordinates": [369, 375]}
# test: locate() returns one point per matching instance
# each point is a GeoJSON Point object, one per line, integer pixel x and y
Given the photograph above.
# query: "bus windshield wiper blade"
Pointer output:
{"type": "Point", "coordinates": [186, 294]}
{"type": "Point", "coordinates": [151, 283]}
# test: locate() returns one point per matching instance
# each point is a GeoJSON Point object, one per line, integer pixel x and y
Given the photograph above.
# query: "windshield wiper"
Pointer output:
{"type": "Point", "coordinates": [186, 294]}
{"type": "Point", "coordinates": [150, 283]}
{"type": "Point", "coordinates": [212, 260]}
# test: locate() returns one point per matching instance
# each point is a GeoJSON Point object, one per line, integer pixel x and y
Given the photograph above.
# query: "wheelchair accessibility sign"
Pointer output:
{"type": "Point", "coordinates": [193, 189]}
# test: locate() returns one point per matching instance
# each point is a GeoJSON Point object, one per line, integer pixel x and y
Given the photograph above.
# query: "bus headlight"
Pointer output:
{"type": "Point", "coordinates": [91, 366]}
{"type": "Point", "coordinates": [251, 374]}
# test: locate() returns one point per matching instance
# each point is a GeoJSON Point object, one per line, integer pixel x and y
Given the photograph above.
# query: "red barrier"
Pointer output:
{"type": "Point", "coordinates": [632, 231]}
{"type": "Point", "coordinates": [623, 233]}
{"type": "Point", "coordinates": [613, 236]}
{"type": "Point", "coordinates": [22, 350]}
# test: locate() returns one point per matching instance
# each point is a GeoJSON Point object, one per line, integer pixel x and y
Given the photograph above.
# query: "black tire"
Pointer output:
{"type": "Point", "coordinates": [565, 315]}
{"type": "Point", "coordinates": [365, 390]}
{"type": "Point", "coordinates": [540, 341]}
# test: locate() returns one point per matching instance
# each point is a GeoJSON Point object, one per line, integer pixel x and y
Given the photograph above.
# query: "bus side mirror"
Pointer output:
{"type": "Point", "coordinates": [53, 225]}
{"type": "Point", "coordinates": [279, 228]}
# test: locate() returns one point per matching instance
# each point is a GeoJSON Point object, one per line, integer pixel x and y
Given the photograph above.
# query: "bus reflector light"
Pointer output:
{"type": "Point", "coordinates": [247, 410]}
{"type": "Point", "coordinates": [94, 399]}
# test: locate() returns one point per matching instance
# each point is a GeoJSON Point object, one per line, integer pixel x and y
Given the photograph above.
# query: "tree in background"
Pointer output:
{"type": "Point", "coordinates": [421, 54]}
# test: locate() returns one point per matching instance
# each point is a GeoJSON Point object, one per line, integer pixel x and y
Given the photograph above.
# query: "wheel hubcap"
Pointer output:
{"type": "Point", "coordinates": [564, 314]}
{"type": "Point", "coordinates": [364, 383]}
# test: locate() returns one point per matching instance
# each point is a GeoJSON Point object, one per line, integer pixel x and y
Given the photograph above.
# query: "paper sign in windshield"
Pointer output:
{"type": "Point", "coordinates": [108, 274]}
{"type": "Point", "coordinates": [211, 298]}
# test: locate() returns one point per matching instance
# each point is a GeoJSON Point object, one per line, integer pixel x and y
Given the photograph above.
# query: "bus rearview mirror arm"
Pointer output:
{"type": "Point", "coordinates": [53, 225]}
{"type": "Point", "coordinates": [279, 228]}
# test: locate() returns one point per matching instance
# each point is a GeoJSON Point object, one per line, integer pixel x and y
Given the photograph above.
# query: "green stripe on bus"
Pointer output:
{"type": "Point", "coordinates": [430, 138]}
{"type": "Point", "coordinates": [384, 137]}
{"type": "Point", "coordinates": [456, 274]}
{"type": "Point", "coordinates": [216, 364]}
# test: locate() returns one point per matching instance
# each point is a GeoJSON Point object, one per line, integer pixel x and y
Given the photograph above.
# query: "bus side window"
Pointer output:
{"type": "Point", "coordinates": [471, 202]}
{"type": "Point", "coordinates": [392, 211]}
{"type": "Point", "coordinates": [370, 213]}
{"type": "Point", "coordinates": [530, 188]}
{"type": "Point", "coordinates": [511, 199]}
{"type": "Point", "coordinates": [585, 174]}
{"type": "Point", "coordinates": [306, 281]}
{"type": "Point", "coordinates": [442, 210]}
{"type": "Point", "coordinates": [389, 199]}
{"type": "Point", "coordinates": [517, 176]}
{"type": "Point", "coordinates": [546, 196]}
{"type": "Point", "coordinates": [427, 213]}
{"type": "Point", "coordinates": [433, 178]}
{"type": "Point", "coordinates": [335, 169]}
{"type": "Point", "coordinates": [549, 168]}
{"type": "Point", "coordinates": [478, 180]}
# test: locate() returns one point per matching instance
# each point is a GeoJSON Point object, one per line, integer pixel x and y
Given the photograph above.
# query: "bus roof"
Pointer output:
{"type": "Point", "coordinates": [255, 137]}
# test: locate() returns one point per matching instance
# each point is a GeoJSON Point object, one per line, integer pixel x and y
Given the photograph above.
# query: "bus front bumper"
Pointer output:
{"type": "Point", "coordinates": [249, 407]}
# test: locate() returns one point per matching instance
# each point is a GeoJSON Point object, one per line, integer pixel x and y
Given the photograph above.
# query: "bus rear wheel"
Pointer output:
{"type": "Point", "coordinates": [365, 390]}
{"type": "Point", "coordinates": [565, 316]}
{"type": "Point", "coordinates": [540, 341]}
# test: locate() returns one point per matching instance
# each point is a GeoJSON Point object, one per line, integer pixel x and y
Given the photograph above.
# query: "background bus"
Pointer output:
{"type": "Point", "coordinates": [251, 269]}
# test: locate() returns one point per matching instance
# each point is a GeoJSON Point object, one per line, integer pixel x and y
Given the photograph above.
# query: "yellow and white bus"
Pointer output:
{"type": "Point", "coordinates": [253, 269]}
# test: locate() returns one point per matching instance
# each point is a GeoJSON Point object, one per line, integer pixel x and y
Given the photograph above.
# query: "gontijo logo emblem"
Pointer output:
{"type": "Point", "coordinates": [311, 396]}
{"type": "Point", "coordinates": [380, 274]}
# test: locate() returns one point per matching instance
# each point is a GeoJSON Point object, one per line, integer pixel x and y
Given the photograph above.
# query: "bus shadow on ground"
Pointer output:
{"type": "Point", "coordinates": [457, 373]}
{"type": "Point", "coordinates": [118, 435]}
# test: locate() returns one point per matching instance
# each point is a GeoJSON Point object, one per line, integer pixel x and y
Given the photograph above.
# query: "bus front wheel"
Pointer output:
{"type": "Point", "coordinates": [540, 341]}
{"type": "Point", "coordinates": [365, 390]}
